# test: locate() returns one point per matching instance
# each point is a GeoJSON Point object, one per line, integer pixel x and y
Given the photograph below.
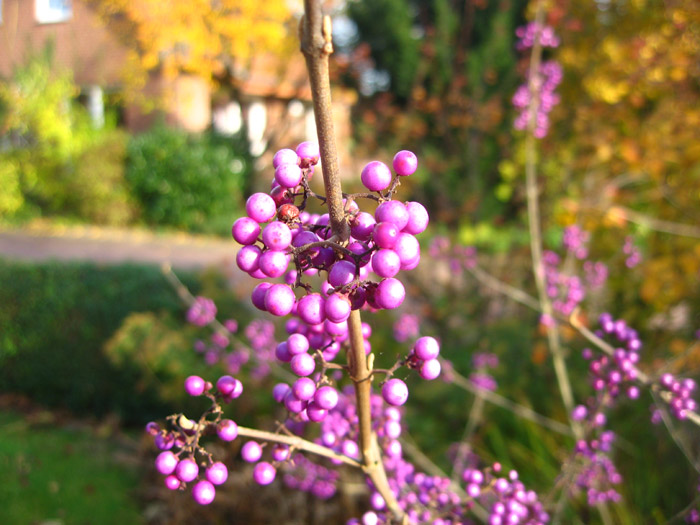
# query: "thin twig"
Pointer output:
{"type": "Point", "coordinates": [536, 234]}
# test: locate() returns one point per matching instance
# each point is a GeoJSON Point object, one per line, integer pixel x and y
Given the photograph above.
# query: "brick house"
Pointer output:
{"type": "Point", "coordinates": [273, 98]}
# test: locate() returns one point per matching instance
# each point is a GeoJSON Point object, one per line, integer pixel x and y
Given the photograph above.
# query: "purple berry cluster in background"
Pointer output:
{"type": "Point", "coordinates": [547, 77]}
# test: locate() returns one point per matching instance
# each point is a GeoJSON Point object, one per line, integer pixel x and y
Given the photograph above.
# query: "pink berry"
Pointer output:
{"type": "Point", "coordinates": [251, 451]}
{"type": "Point", "coordinates": [217, 473]}
{"type": "Point", "coordinates": [395, 392]}
{"type": "Point", "coordinates": [245, 230]}
{"type": "Point", "coordinates": [418, 218]}
{"type": "Point", "coordinates": [426, 348]}
{"type": "Point", "coordinates": [277, 236]}
{"type": "Point", "coordinates": [302, 364]}
{"type": "Point", "coordinates": [227, 430]}
{"type": "Point", "coordinates": [390, 293]}
{"type": "Point", "coordinates": [430, 369]}
{"type": "Point", "coordinates": [288, 175]}
{"type": "Point", "coordinates": [394, 212]}
{"type": "Point", "coordinates": [326, 397]}
{"type": "Point", "coordinates": [195, 385]}
{"type": "Point", "coordinates": [166, 462]}
{"type": "Point", "coordinates": [264, 473]}
{"type": "Point", "coordinates": [405, 163]}
{"type": "Point", "coordinates": [376, 176]}
{"type": "Point", "coordinates": [172, 482]}
{"type": "Point", "coordinates": [311, 309]}
{"type": "Point", "coordinates": [203, 492]}
{"type": "Point", "coordinates": [260, 207]}
{"type": "Point", "coordinates": [279, 299]}
{"type": "Point", "coordinates": [186, 470]}
{"type": "Point", "coordinates": [285, 156]}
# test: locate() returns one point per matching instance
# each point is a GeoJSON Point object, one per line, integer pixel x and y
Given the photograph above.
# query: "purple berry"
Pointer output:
{"type": "Point", "coordinates": [277, 236]}
{"type": "Point", "coordinates": [285, 156]}
{"type": "Point", "coordinates": [288, 175]}
{"type": "Point", "coordinates": [264, 473]}
{"type": "Point", "coordinates": [376, 176]}
{"type": "Point", "coordinates": [245, 231]}
{"type": "Point", "coordinates": [260, 207]}
{"type": "Point", "coordinates": [304, 388]}
{"type": "Point", "coordinates": [187, 470]}
{"type": "Point", "coordinates": [217, 473]}
{"type": "Point", "coordinates": [308, 151]}
{"type": "Point", "coordinates": [341, 273]}
{"type": "Point", "coordinates": [337, 308]}
{"type": "Point", "coordinates": [248, 258]}
{"type": "Point", "coordinates": [297, 344]}
{"type": "Point", "coordinates": [166, 462]}
{"type": "Point", "coordinates": [279, 299]}
{"type": "Point", "coordinates": [302, 364]}
{"type": "Point", "coordinates": [326, 397]}
{"type": "Point", "coordinates": [418, 218]}
{"type": "Point", "coordinates": [273, 263]}
{"type": "Point", "coordinates": [172, 482]}
{"type": "Point", "coordinates": [390, 293]}
{"type": "Point", "coordinates": [251, 451]}
{"type": "Point", "coordinates": [386, 263]}
{"type": "Point", "coordinates": [426, 348]}
{"type": "Point", "coordinates": [385, 234]}
{"type": "Point", "coordinates": [311, 309]}
{"type": "Point", "coordinates": [405, 163]}
{"type": "Point", "coordinates": [257, 297]}
{"type": "Point", "coordinates": [203, 492]}
{"type": "Point", "coordinates": [227, 430]}
{"type": "Point", "coordinates": [394, 212]}
{"type": "Point", "coordinates": [430, 369]}
{"type": "Point", "coordinates": [362, 225]}
{"type": "Point", "coordinates": [395, 392]}
{"type": "Point", "coordinates": [226, 385]}
{"type": "Point", "coordinates": [195, 385]}
{"type": "Point", "coordinates": [279, 391]}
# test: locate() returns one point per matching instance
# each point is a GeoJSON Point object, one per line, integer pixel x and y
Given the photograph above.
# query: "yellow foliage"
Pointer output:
{"type": "Point", "coordinates": [200, 37]}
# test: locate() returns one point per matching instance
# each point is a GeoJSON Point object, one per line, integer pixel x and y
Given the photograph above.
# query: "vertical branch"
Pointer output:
{"type": "Point", "coordinates": [533, 213]}
{"type": "Point", "coordinates": [316, 44]}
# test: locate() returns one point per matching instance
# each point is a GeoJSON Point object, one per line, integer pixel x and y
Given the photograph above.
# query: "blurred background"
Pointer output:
{"type": "Point", "coordinates": [131, 132]}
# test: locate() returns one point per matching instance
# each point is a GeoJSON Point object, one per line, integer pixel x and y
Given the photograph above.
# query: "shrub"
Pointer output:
{"type": "Point", "coordinates": [186, 181]}
{"type": "Point", "coordinates": [63, 327]}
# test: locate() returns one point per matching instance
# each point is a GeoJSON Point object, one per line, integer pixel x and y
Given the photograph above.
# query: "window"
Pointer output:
{"type": "Point", "coordinates": [51, 11]}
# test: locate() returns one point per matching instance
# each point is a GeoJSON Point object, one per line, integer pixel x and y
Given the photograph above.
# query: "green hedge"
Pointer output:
{"type": "Point", "coordinates": [63, 328]}
{"type": "Point", "coordinates": [187, 181]}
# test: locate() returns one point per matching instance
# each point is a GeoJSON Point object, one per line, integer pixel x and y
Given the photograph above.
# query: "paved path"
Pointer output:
{"type": "Point", "coordinates": [111, 246]}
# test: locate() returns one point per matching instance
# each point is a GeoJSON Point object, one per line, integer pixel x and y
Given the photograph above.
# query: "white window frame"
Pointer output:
{"type": "Point", "coordinates": [53, 11]}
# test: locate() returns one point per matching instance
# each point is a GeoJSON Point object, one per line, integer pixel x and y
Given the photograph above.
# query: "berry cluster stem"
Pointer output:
{"type": "Point", "coordinates": [316, 45]}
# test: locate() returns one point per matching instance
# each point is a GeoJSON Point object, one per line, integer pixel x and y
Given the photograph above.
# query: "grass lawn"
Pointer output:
{"type": "Point", "coordinates": [63, 474]}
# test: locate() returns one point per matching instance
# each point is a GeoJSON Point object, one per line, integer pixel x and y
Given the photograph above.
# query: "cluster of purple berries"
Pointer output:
{"type": "Point", "coordinates": [202, 312]}
{"type": "Point", "coordinates": [565, 291]}
{"type": "Point", "coordinates": [548, 77]}
{"type": "Point", "coordinates": [277, 230]}
{"type": "Point", "coordinates": [575, 240]}
{"type": "Point", "coordinates": [616, 374]}
{"type": "Point", "coordinates": [180, 445]}
{"type": "Point", "coordinates": [480, 378]}
{"type": "Point", "coordinates": [680, 393]}
{"type": "Point", "coordinates": [458, 257]}
{"type": "Point", "coordinates": [597, 473]}
{"type": "Point", "coordinates": [530, 33]}
{"type": "Point", "coordinates": [406, 327]}
{"type": "Point", "coordinates": [634, 256]}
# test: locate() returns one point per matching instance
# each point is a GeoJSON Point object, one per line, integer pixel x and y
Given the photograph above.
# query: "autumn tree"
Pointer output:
{"type": "Point", "coordinates": [211, 39]}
